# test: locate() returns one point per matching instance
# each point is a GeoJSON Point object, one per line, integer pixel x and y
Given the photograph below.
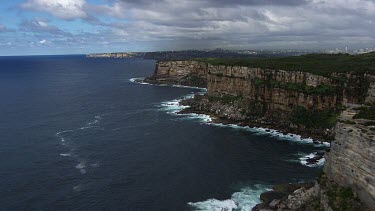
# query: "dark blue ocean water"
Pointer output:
{"type": "Point", "coordinates": [76, 134]}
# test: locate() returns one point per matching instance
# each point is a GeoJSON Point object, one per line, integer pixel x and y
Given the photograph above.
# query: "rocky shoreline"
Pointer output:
{"type": "Point", "coordinates": [200, 104]}
{"type": "Point", "coordinates": [292, 102]}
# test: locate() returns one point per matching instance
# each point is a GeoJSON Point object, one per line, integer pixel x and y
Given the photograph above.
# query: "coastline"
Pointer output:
{"type": "Point", "coordinates": [259, 196]}
{"type": "Point", "coordinates": [314, 159]}
{"type": "Point", "coordinates": [291, 103]}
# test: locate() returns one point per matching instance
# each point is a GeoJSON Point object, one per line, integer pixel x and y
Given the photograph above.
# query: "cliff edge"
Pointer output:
{"type": "Point", "coordinates": [295, 102]}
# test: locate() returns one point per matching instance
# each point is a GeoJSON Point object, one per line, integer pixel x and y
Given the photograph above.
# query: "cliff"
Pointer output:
{"type": "Point", "coordinates": [187, 73]}
{"type": "Point", "coordinates": [291, 101]}
{"type": "Point", "coordinates": [350, 161]}
{"type": "Point", "coordinates": [299, 102]}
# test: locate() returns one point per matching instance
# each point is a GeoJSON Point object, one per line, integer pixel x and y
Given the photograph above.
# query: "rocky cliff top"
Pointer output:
{"type": "Point", "coordinates": [319, 64]}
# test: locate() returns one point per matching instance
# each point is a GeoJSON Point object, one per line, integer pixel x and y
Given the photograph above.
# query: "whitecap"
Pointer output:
{"type": "Point", "coordinates": [202, 117]}
{"type": "Point", "coordinates": [86, 127]}
{"type": "Point", "coordinates": [94, 165]}
{"type": "Point", "coordinates": [303, 160]}
{"type": "Point", "coordinates": [274, 133]}
{"type": "Point", "coordinates": [244, 200]}
{"type": "Point", "coordinates": [141, 81]}
{"type": "Point", "coordinates": [65, 154]}
{"type": "Point", "coordinates": [77, 187]}
{"type": "Point", "coordinates": [81, 166]}
{"type": "Point", "coordinates": [62, 132]}
{"type": "Point", "coordinates": [215, 205]}
{"type": "Point", "coordinates": [174, 106]}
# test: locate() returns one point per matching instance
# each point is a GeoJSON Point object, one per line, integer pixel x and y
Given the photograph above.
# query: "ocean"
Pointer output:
{"type": "Point", "coordinates": [78, 133]}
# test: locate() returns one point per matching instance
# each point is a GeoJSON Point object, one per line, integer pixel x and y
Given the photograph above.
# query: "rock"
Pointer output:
{"type": "Point", "coordinates": [269, 196]}
{"type": "Point", "coordinates": [351, 160]}
{"type": "Point", "coordinates": [274, 203]}
{"type": "Point", "coordinates": [299, 198]}
{"type": "Point", "coordinates": [269, 97]}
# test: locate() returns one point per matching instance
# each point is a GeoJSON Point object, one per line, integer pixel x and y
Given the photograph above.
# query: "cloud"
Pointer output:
{"type": "Point", "coordinates": [3, 28]}
{"type": "Point", "coordinates": [41, 26]}
{"type": "Point", "coordinates": [42, 41]}
{"type": "Point", "coordinates": [181, 24]}
{"type": "Point", "coordinates": [64, 9]}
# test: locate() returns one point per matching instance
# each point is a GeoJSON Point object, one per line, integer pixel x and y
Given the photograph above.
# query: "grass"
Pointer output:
{"type": "Point", "coordinates": [319, 64]}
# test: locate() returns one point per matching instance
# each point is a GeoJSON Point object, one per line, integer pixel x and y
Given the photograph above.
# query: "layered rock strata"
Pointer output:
{"type": "Point", "coordinates": [271, 98]}
{"type": "Point", "coordinates": [351, 160]}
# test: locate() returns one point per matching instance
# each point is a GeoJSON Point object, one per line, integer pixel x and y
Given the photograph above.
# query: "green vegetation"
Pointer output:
{"type": "Point", "coordinates": [340, 198]}
{"type": "Point", "coordinates": [319, 64]}
{"type": "Point", "coordinates": [314, 119]}
{"type": "Point", "coordinates": [195, 80]}
{"type": "Point", "coordinates": [299, 87]}
{"type": "Point", "coordinates": [365, 113]}
{"type": "Point", "coordinates": [254, 108]}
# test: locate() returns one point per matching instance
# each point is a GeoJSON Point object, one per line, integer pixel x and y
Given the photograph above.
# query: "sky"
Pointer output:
{"type": "Point", "coordinates": [40, 27]}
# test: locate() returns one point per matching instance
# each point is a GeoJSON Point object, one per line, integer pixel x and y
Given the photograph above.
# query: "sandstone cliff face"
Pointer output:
{"type": "Point", "coordinates": [371, 93]}
{"type": "Point", "coordinates": [262, 97]}
{"type": "Point", "coordinates": [189, 73]}
{"type": "Point", "coordinates": [351, 161]}
{"type": "Point", "coordinates": [267, 97]}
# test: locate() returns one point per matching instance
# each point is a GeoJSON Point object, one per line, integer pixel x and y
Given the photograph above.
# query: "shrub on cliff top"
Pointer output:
{"type": "Point", "coordinates": [365, 113]}
{"type": "Point", "coordinates": [319, 64]}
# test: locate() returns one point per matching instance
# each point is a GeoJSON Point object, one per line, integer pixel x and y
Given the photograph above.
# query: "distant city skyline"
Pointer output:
{"type": "Point", "coordinates": [43, 27]}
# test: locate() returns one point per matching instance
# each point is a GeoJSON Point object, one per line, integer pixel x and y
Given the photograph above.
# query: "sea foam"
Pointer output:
{"type": "Point", "coordinates": [244, 200]}
{"type": "Point", "coordinates": [81, 166]}
{"type": "Point", "coordinates": [141, 81]}
{"type": "Point", "coordinates": [303, 160]}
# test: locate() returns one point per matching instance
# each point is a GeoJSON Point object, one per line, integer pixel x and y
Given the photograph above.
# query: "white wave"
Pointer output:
{"type": "Point", "coordinates": [82, 167]}
{"type": "Point", "coordinates": [214, 205]}
{"type": "Point", "coordinates": [243, 200]}
{"type": "Point", "coordinates": [94, 165]}
{"type": "Point", "coordinates": [77, 187]}
{"type": "Point", "coordinates": [273, 133]}
{"type": "Point", "coordinates": [303, 160]}
{"type": "Point", "coordinates": [174, 106]}
{"type": "Point", "coordinates": [62, 132]}
{"type": "Point", "coordinates": [203, 117]}
{"type": "Point", "coordinates": [140, 81]}
{"type": "Point", "coordinates": [87, 127]}
{"type": "Point", "coordinates": [94, 122]}
{"type": "Point", "coordinates": [65, 154]}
